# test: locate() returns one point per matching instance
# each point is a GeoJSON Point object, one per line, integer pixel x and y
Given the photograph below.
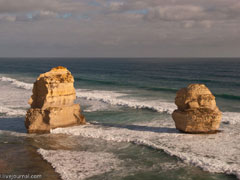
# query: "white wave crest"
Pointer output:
{"type": "Point", "coordinates": [16, 134]}
{"type": "Point", "coordinates": [112, 98]}
{"type": "Point", "coordinates": [119, 99]}
{"type": "Point", "coordinates": [218, 153]}
{"type": "Point", "coordinates": [72, 165]}
{"type": "Point", "coordinates": [231, 117]}
{"type": "Point", "coordinates": [10, 112]}
{"type": "Point", "coordinates": [17, 83]}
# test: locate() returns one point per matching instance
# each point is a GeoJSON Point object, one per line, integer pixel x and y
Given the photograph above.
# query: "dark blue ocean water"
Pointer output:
{"type": "Point", "coordinates": [151, 77]}
{"type": "Point", "coordinates": [116, 91]}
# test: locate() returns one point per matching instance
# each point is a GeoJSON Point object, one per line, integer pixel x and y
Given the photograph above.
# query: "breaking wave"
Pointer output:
{"type": "Point", "coordinates": [80, 165]}
{"type": "Point", "coordinates": [214, 153]}
{"type": "Point", "coordinates": [11, 112]}
{"type": "Point", "coordinates": [28, 86]}
{"type": "Point", "coordinates": [112, 98]}
{"type": "Point", "coordinates": [121, 99]}
{"type": "Point", "coordinates": [17, 83]}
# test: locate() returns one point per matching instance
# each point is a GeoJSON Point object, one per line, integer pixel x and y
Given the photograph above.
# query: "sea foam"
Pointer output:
{"type": "Point", "coordinates": [218, 153]}
{"type": "Point", "coordinates": [17, 83]}
{"type": "Point", "coordinates": [12, 133]}
{"type": "Point", "coordinates": [72, 165]}
{"type": "Point", "coordinates": [119, 99]}
{"type": "Point", "coordinates": [11, 112]}
{"type": "Point", "coordinates": [112, 98]}
{"type": "Point", "coordinates": [231, 117]}
{"type": "Point", "coordinates": [122, 99]}
{"type": "Point", "coordinates": [14, 97]}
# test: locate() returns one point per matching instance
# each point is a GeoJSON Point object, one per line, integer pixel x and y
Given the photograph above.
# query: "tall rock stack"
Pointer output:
{"type": "Point", "coordinates": [197, 111]}
{"type": "Point", "coordinates": [52, 102]}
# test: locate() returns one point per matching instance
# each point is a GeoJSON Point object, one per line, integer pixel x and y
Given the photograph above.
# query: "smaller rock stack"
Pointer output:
{"type": "Point", "coordinates": [197, 111]}
{"type": "Point", "coordinates": [52, 102]}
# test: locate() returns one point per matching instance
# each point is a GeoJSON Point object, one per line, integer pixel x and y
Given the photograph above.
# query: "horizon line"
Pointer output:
{"type": "Point", "coordinates": [123, 57]}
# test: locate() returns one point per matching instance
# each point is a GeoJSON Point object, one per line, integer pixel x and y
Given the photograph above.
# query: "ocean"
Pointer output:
{"type": "Point", "coordinates": [128, 102]}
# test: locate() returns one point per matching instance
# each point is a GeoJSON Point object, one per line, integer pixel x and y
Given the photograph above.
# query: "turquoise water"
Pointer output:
{"type": "Point", "coordinates": [113, 92]}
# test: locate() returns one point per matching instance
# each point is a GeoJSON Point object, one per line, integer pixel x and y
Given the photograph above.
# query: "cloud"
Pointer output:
{"type": "Point", "coordinates": [116, 6]}
{"type": "Point", "coordinates": [179, 11]}
{"type": "Point", "coordinates": [33, 10]}
{"type": "Point", "coordinates": [13, 6]}
{"type": "Point", "coordinates": [119, 27]}
{"type": "Point", "coordinates": [7, 18]}
{"type": "Point", "coordinates": [175, 13]}
{"type": "Point", "coordinates": [43, 15]}
{"type": "Point", "coordinates": [56, 6]}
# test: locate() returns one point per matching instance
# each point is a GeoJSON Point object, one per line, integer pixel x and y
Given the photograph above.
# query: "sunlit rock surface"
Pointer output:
{"type": "Point", "coordinates": [52, 102]}
{"type": "Point", "coordinates": [197, 111]}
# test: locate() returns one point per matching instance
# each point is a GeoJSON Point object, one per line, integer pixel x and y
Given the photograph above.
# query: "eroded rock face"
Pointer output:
{"type": "Point", "coordinates": [52, 102]}
{"type": "Point", "coordinates": [197, 111]}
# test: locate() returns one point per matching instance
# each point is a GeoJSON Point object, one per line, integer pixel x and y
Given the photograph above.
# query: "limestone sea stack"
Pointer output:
{"type": "Point", "coordinates": [197, 111]}
{"type": "Point", "coordinates": [52, 102]}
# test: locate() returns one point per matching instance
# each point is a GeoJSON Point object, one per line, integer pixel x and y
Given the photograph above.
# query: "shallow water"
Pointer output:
{"type": "Point", "coordinates": [136, 162]}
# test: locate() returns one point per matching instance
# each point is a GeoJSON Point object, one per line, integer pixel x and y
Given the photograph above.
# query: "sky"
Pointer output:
{"type": "Point", "coordinates": [119, 28]}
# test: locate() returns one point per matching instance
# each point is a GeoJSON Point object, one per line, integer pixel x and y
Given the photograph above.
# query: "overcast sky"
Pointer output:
{"type": "Point", "coordinates": [119, 28]}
